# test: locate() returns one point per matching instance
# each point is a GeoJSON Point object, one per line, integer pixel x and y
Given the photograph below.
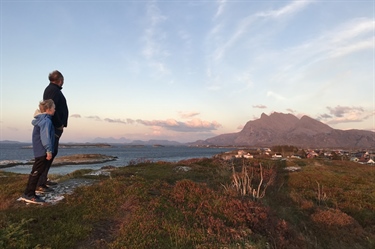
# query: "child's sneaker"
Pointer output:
{"type": "Point", "coordinates": [43, 189]}
{"type": "Point", "coordinates": [32, 199]}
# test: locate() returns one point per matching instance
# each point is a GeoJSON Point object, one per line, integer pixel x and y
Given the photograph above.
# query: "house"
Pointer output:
{"type": "Point", "coordinates": [243, 154]}
{"type": "Point", "coordinates": [248, 155]}
{"type": "Point", "coordinates": [295, 157]}
{"type": "Point", "coordinates": [312, 154]}
{"type": "Point", "coordinates": [277, 155]}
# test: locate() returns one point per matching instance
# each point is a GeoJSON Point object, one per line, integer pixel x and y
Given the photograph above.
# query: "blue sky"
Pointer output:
{"type": "Point", "coordinates": [186, 70]}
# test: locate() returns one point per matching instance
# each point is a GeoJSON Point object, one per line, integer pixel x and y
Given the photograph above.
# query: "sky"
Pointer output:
{"type": "Point", "coordinates": [186, 70]}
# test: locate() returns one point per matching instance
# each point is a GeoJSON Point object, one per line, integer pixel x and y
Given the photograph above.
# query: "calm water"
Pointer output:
{"type": "Point", "coordinates": [18, 153]}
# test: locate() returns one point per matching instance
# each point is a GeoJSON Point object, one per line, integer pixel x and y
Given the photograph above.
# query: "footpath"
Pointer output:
{"type": "Point", "coordinates": [67, 187]}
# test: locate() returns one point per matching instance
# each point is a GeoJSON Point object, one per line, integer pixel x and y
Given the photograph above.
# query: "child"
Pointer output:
{"type": "Point", "coordinates": [43, 138]}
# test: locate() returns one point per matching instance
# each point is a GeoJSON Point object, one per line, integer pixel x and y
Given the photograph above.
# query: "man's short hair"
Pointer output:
{"type": "Point", "coordinates": [55, 76]}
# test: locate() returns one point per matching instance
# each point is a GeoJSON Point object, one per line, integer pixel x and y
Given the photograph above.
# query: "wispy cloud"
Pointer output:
{"type": "Point", "coordinates": [243, 26]}
{"type": "Point", "coordinates": [119, 121]}
{"type": "Point", "coordinates": [352, 48]}
{"type": "Point", "coordinates": [293, 64]}
{"type": "Point", "coordinates": [221, 49]}
{"type": "Point", "coordinates": [353, 29]}
{"type": "Point", "coordinates": [96, 118]}
{"type": "Point", "coordinates": [351, 33]}
{"type": "Point", "coordinates": [340, 111]}
{"type": "Point", "coordinates": [289, 9]}
{"type": "Point", "coordinates": [191, 125]}
{"type": "Point", "coordinates": [153, 38]}
{"type": "Point", "coordinates": [353, 36]}
{"type": "Point", "coordinates": [130, 121]}
{"type": "Point", "coordinates": [220, 9]}
{"type": "Point", "coordinates": [188, 114]}
{"type": "Point", "coordinates": [324, 116]}
{"type": "Point", "coordinates": [75, 116]}
{"type": "Point", "coordinates": [194, 125]}
{"type": "Point", "coordinates": [344, 114]}
{"type": "Point", "coordinates": [110, 120]}
{"type": "Point", "coordinates": [260, 106]}
{"type": "Point", "coordinates": [226, 36]}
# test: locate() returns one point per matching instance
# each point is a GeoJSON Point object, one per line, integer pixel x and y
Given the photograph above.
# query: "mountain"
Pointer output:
{"type": "Point", "coordinates": [9, 142]}
{"type": "Point", "coordinates": [287, 129]}
{"type": "Point", "coordinates": [156, 142]}
{"type": "Point", "coordinates": [111, 140]}
{"type": "Point", "coordinates": [122, 140]}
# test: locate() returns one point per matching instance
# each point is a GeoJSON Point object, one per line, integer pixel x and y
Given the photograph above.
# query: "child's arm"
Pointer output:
{"type": "Point", "coordinates": [45, 135]}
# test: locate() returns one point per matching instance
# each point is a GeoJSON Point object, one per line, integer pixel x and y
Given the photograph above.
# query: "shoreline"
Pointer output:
{"type": "Point", "coordinates": [67, 160]}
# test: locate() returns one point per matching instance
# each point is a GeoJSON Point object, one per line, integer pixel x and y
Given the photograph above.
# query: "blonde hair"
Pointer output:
{"type": "Point", "coordinates": [46, 104]}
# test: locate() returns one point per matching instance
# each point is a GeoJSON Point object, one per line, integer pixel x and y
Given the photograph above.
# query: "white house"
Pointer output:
{"type": "Point", "coordinates": [248, 155]}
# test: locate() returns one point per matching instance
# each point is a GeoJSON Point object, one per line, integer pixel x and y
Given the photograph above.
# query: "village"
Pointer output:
{"type": "Point", "coordinates": [289, 152]}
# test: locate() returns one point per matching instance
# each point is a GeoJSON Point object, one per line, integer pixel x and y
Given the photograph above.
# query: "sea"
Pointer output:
{"type": "Point", "coordinates": [18, 154]}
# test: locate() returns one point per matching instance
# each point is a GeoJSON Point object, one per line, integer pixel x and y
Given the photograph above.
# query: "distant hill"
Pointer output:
{"type": "Point", "coordinates": [11, 142]}
{"type": "Point", "coordinates": [156, 142]}
{"type": "Point", "coordinates": [122, 140]}
{"type": "Point", "coordinates": [111, 140]}
{"type": "Point", "coordinates": [287, 129]}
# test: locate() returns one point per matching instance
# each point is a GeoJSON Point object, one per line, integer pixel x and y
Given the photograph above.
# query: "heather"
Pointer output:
{"type": "Point", "coordinates": [201, 203]}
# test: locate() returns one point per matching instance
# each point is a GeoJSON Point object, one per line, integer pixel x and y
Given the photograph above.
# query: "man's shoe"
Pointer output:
{"type": "Point", "coordinates": [32, 199]}
{"type": "Point", "coordinates": [43, 189]}
{"type": "Point", "coordinates": [50, 183]}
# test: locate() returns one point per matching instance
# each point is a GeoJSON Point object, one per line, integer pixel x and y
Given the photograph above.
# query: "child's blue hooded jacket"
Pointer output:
{"type": "Point", "coordinates": [43, 136]}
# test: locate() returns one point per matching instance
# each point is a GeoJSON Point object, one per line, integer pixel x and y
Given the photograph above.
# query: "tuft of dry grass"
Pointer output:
{"type": "Point", "coordinates": [253, 180]}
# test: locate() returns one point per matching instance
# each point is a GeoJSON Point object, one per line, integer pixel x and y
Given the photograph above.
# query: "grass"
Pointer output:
{"type": "Point", "coordinates": [328, 204]}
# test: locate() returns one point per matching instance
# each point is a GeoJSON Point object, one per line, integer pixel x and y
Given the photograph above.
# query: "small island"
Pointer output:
{"type": "Point", "coordinates": [77, 145]}
{"type": "Point", "coordinates": [66, 160]}
{"type": "Point", "coordinates": [82, 159]}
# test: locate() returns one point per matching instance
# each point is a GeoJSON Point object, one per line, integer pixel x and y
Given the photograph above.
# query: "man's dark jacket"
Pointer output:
{"type": "Point", "coordinates": [53, 92]}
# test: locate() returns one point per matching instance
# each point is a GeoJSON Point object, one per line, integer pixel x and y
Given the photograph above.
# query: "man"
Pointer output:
{"type": "Point", "coordinates": [59, 121]}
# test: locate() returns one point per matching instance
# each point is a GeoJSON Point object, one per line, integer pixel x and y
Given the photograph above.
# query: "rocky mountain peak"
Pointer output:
{"type": "Point", "coordinates": [311, 124]}
{"type": "Point", "coordinates": [287, 129]}
{"type": "Point", "coordinates": [276, 121]}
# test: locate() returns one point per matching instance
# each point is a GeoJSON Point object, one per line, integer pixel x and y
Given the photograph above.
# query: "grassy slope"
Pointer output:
{"type": "Point", "coordinates": [328, 204]}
